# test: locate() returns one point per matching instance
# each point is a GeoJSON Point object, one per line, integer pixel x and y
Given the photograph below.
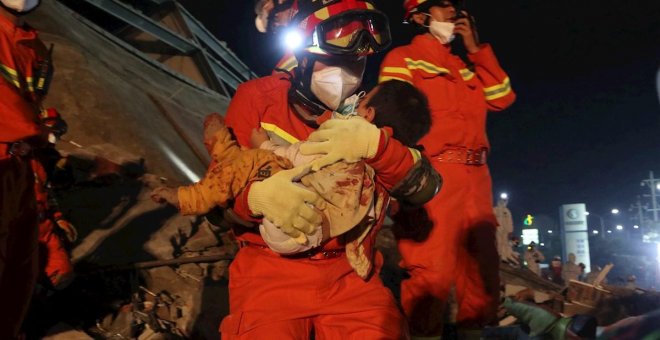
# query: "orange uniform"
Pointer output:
{"type": "Point", "coordinates": [54, 261]}
{"type": "Point", "coordinates": [19, 107]}
{"type": "Point", "coordinates": [460, 249]}
{"type": "Point", "coordinates": [280, 297]}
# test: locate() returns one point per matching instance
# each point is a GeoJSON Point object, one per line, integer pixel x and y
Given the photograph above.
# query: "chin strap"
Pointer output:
{"type": "Point", "coordinates": [306, 109]}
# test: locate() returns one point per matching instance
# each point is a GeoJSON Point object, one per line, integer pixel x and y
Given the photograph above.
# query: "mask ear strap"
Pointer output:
{"type": "Point", "coordinates": [427, 20]}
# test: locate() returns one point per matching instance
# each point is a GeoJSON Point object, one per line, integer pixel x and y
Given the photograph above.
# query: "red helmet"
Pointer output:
{"type": "Point", "coordinates": [53, 121]}
{"type": "Point", "coordinates": [416, 6]}
{"type": "Point", "coordinates": [342, 27]}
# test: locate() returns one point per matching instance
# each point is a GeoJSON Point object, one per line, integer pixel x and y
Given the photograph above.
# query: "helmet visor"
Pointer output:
{"type": "Point", "coordinates": [356, 32]}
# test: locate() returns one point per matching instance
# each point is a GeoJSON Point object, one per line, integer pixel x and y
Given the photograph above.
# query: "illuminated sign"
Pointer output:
{"type": "Point", "coordinates": [574, 232]}
{"type": "Point", "coordinates": [530, 235]}
{"type": "Point", "coordinates": [529, 220]}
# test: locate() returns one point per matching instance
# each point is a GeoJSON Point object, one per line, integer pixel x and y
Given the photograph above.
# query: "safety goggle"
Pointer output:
{"type": "Point", "coordinates": [358, 32]}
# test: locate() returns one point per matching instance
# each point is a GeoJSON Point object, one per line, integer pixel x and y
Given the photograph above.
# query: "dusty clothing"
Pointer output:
{"type": "Point", "coordinates": [347, 191]}
{"type": "Point", "coordinates": [274, 296]}
{"type": "Point", "coordinates": [54, 261]}
{"type": "Point", "coordinates": [20, 52]}
{"type": "Point", "coordinates": [505, 222]}
{"type": "Point", "coordinates": [533, 258]}
{"type": "Point", "coordinates": [232, 170]}
{"type": "Point", "coordinates": [460, 249]}
{"type": "Point", "coordinates": [570, 271]}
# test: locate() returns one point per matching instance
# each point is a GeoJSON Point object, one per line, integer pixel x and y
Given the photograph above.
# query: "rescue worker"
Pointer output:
{"type": "Point", "coordinates": [570, 270]}
{"type": "Point", "coordinates": [25, 71]}
{"type": "Point", "coordinates": [533, 257]}
{"type": "Point", "coordinates": [55, 266]}
{"type": "Point", "coordinates": [460, 250]}
{"type": "Point", "coordinates": [287, 297]}
{"type": "Point", "coordinates": [272, 16]}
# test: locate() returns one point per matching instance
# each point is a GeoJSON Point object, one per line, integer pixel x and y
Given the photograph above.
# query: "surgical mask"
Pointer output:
{"type": "Point", "coordinates": [443, 31]}
{"type": "Point", "coordinates": [349, 107]}
{"type": "Point", "coordinates": [333, 84]}
{"type": "Point", "coordinates": [21, 6]}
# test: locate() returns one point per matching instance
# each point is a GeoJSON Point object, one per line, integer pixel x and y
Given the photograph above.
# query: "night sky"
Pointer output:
{"type": "Point", "coordinates": [586, 124]}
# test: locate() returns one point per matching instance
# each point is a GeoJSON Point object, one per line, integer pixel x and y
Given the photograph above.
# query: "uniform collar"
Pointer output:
{"type": "Point", "coordinates": [17, 33]}
{"type": "Point", "coordinates": [427, 41]}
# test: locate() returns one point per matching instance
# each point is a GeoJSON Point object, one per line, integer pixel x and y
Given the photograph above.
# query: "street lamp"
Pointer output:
{"type": "Point", "coordinates": [602, 223]}
{"type": "Point", "coordinates": [504, 196]}
{"type": "Point", "coordinates": [619, 227]}
{"type": "Point", "coordinates": [615, 211]}
{"type": "Point", "coordinates": [636, 226]}
{"type": "Point", "coordinates": [595, 232]}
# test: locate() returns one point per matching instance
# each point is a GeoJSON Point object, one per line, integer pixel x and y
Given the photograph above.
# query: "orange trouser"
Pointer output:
{"type": "Point", "coordinates": [271, 297]}
{"type": "Point", "coordinates": [54, 260]}
{"type": "Point", "coordinates": [18, 242]}
{"type": "Point", "coordinates": [459, 251]}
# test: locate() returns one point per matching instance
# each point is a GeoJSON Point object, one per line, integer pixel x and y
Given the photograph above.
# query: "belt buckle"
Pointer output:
{"type": "Point", "coordinates": [19, 149]}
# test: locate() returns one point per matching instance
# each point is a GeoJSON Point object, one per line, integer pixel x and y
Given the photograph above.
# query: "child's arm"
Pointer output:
{"type": "Point", "coordinates": [215, 189]}
{"type": "Point", "coordinates": [259, 139]}
{"type": "Point", "coordinates": [199, 198]}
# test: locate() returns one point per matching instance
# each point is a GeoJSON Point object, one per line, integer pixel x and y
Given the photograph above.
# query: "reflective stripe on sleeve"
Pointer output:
{"type": "Point", "coordinates": [498, 91]}
{"type": "Point", "coordinates": [425, 66]}
{"type": "Point", "coordinates": [279, 132]}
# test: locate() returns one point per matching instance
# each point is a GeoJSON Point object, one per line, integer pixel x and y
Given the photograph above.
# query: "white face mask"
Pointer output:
{"type": "Point", "coordinates": [333, 84]}
{"type": "Point", "coordinates": [443, 31]}
{"type": "Point", "coordinates": [21, 5]}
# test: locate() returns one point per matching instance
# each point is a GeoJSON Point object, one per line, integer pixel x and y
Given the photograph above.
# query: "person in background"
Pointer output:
{"type": "Point", "coordinates": [533, 257]}
{"type": "Point", "coordinates": [570, 270]}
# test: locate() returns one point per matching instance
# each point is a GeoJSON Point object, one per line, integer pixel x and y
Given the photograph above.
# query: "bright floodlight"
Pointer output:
{"type": "Point", "coordinates": [636, 226]}
{"type": "Point", "coordinates": [609, 231]}
{"type": "Point", "coordinates": [549, 231]}
{"type": "Point", "coordinates": [292, 39]}
{"type": "Point", "coordinates": [504, 196]}
{"type": "Point", "coordinates": [615, 211]}
{"type": "Point", "coordinates": [595, 232]}
{"type": "Point", "coordinates": [619, 227]}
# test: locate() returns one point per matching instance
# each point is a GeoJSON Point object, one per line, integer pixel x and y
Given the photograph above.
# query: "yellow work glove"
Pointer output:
{"type": "Point", "coordinates": [285, 204]}
{"type": "Point", "coordinates": [350, 140]}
